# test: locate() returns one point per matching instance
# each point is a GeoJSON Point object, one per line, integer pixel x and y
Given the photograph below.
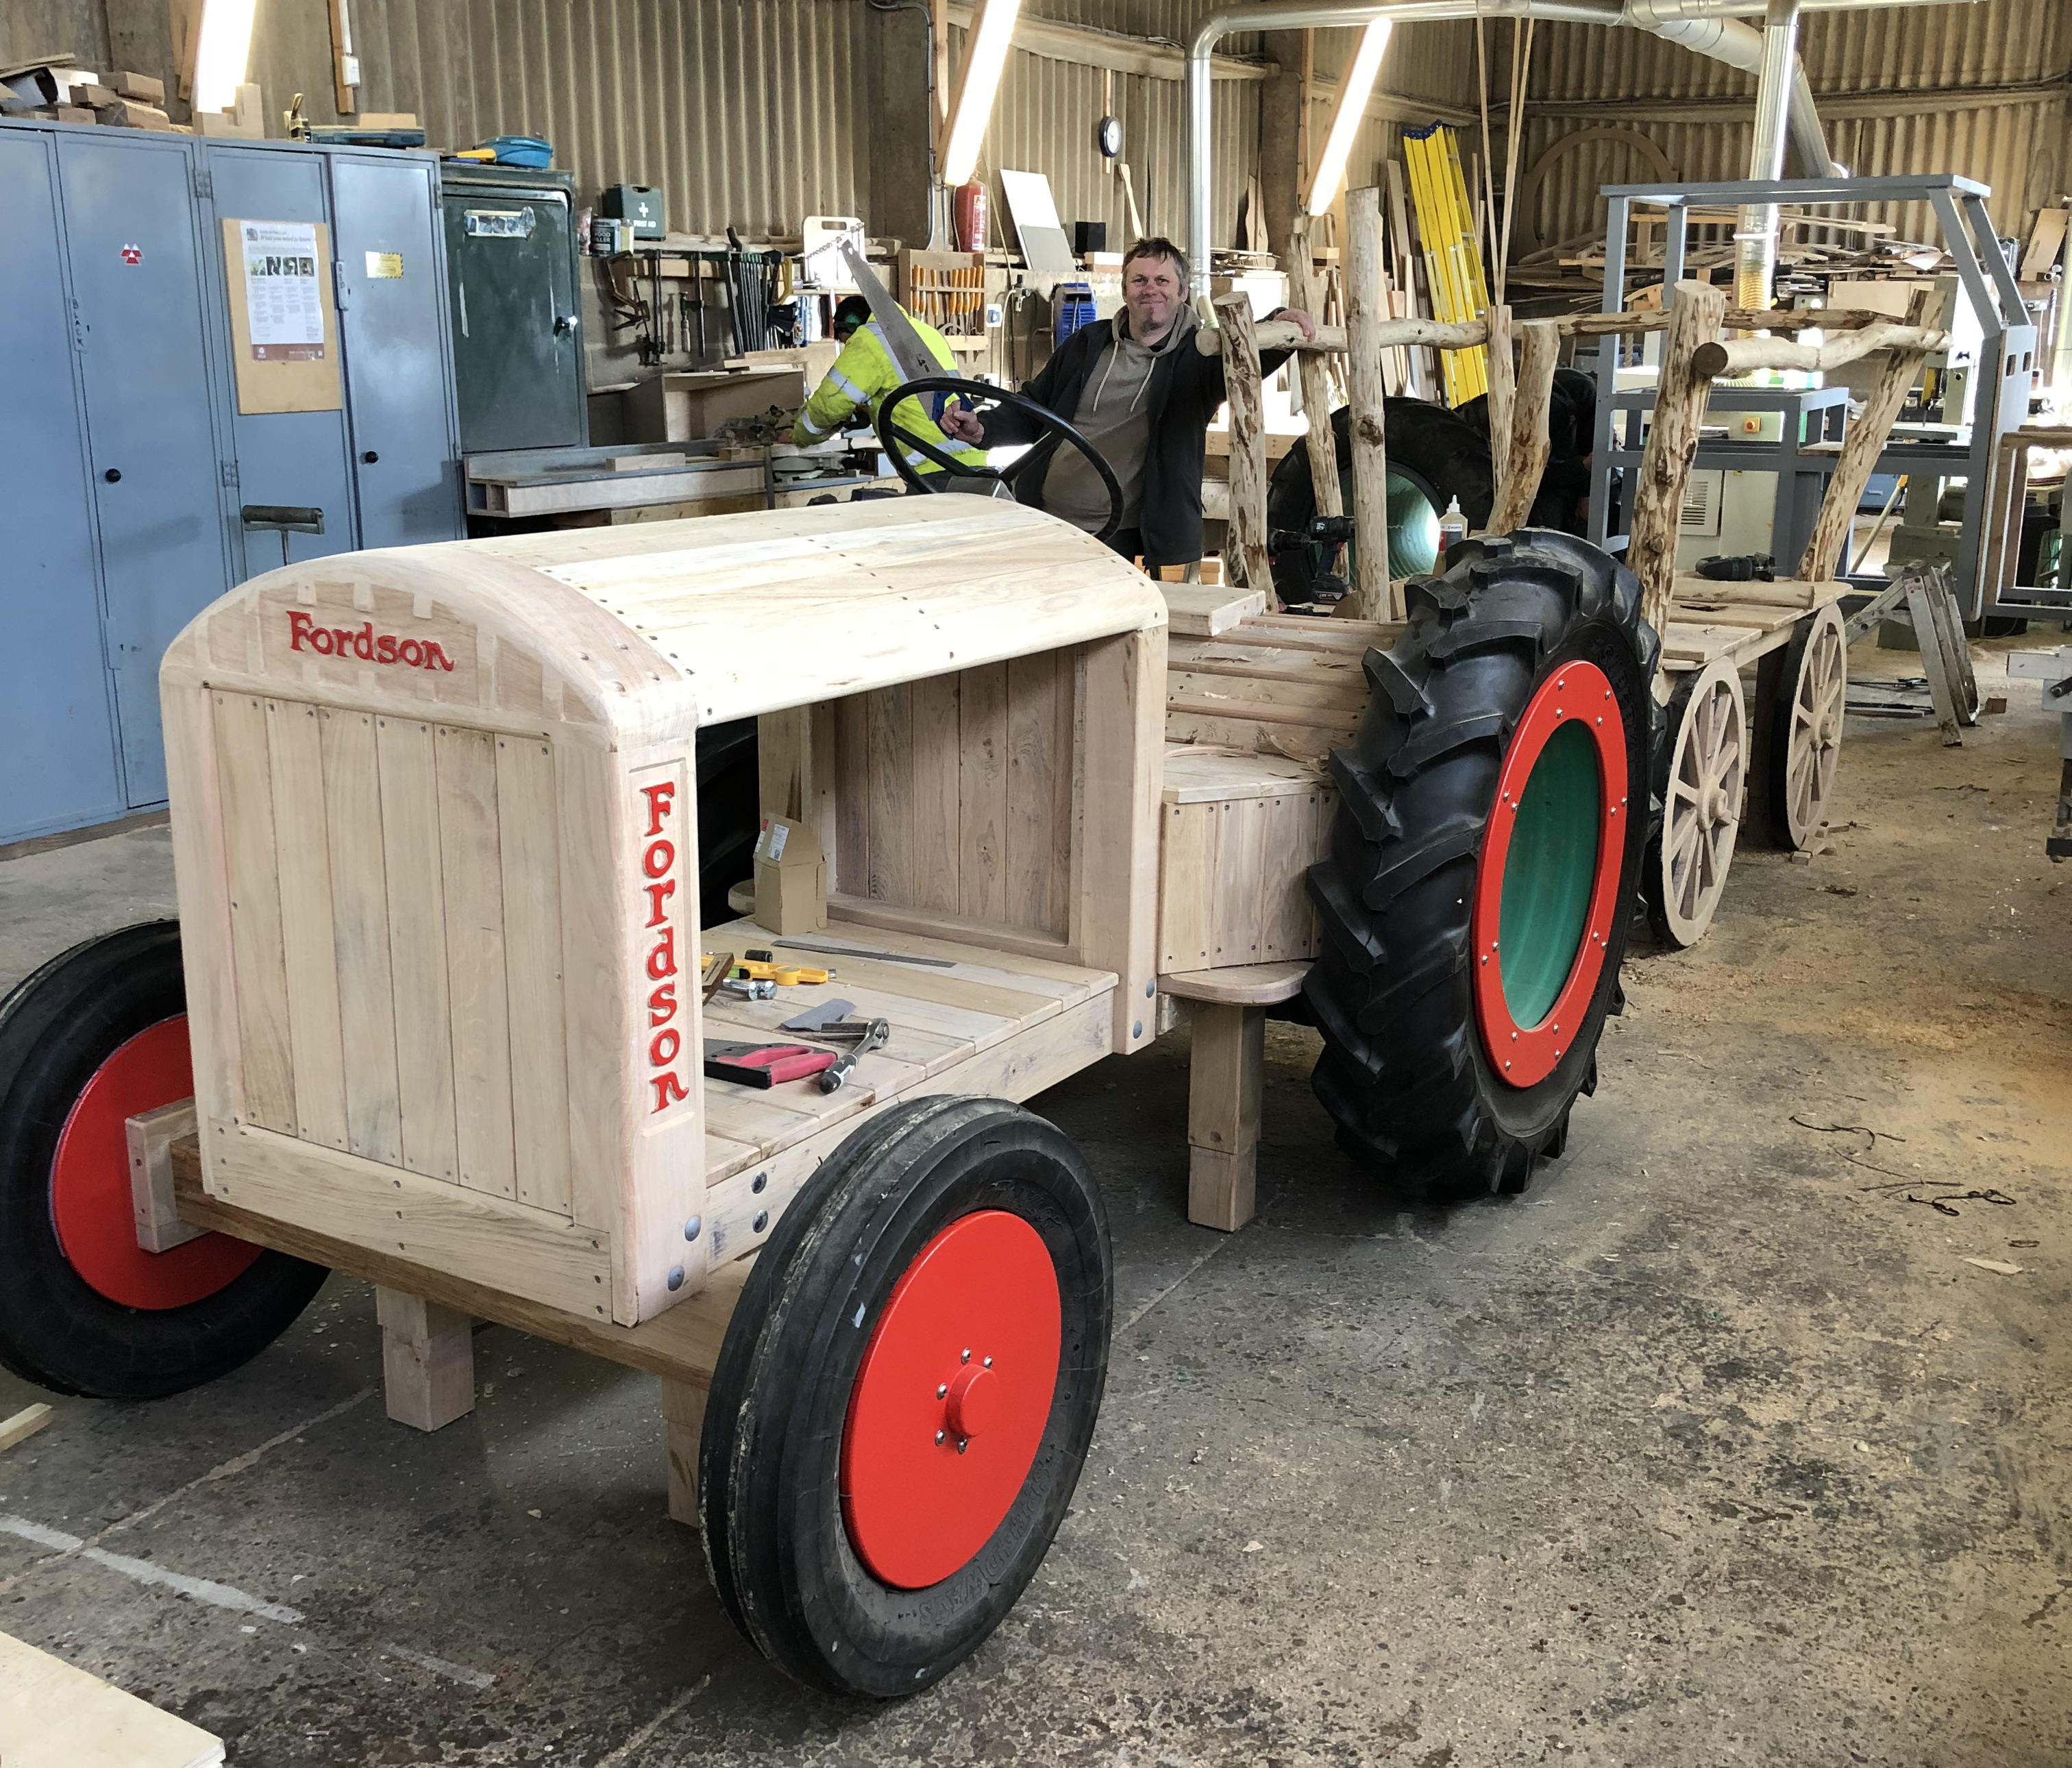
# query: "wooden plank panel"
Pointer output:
{"type": "Point", "coordinates": [982, 794]}
{"type": "Point", "coordinates": [934, 791]}
{"type": "Point", "coordinates": [200, 872]}
{"type": "Point", "coordinates": [359, 934]}
{"type": "Point", "coordinates": [852, 762]}
{"type": "Point", "coordinates": [1039, 762]}
{"type": "Point", "coordinates": [1288, 848]}
{"type": "Point", "coordinates": [888, 717]}
{"type": "Point", "coordinates": [1187, 884]}
{"type": "Point", "coordinates": [471, 869]}
{"type": "Point", "coordinates": [530, 852]}
{"type": "Point", "coordinates": [1241, 876]}
{"type": "Point", "coordinates": [1341, 694]}
{"type": "Point", "coordinates": [302, 861]}
{"type": "Point", "coordinates": [417, 943]}
{"type": "Point", "coordinates": [243, 770]}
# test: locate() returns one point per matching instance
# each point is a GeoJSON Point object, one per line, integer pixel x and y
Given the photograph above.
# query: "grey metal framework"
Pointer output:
{"type": "Point", "coordinates": [1998, 400]}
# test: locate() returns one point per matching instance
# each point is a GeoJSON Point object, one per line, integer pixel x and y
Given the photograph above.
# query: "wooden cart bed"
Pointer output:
{"type": "Point", "coordinates": [1709, 622]}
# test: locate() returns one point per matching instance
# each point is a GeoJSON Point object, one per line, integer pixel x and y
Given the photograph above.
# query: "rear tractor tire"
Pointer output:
{"type": "Point", "coordinates": [1484, 864]}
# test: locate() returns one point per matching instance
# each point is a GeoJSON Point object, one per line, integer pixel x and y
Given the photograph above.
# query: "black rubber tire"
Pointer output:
{"type": "Point", "coordinates": [56, 1028]}
{"type": "Point", "coordinates": [1404, 1073]}
{"type": "Point", "coordinates": [1438, 451]}
{"type": "Point", "coordinates": [768, 1459]}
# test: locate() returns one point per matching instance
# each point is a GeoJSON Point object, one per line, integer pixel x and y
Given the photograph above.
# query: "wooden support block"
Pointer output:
{"type": "Point", "coordinates": [427, 1360]}
{"type": "Point", "coordinates": [683, 1425]}
{"type": "Point", "coordinates": [1226, 1077]}
{"type": "Point", "coordinates": [24, 1424]}
{"type": "Point", "coordinates": [150, 1136]}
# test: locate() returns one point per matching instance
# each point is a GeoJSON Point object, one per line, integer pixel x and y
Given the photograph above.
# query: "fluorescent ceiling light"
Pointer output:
{"type": "Point", "coordinates": [222, 53]}
{"type": "Point", "coordinates": [1354, 89]}
{"type": "Point", "coordinates": [985, 54]}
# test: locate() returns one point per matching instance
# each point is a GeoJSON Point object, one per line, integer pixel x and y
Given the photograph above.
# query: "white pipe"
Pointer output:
{"type": "Point", "coordinates": [1739, 45]}
{"type": "Point", "coordinates": [1298, 15]}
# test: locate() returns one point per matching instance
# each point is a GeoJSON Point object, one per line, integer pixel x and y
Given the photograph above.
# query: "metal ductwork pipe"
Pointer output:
{"type": "Point", "coordinates": [1738, 45]}
{"type": "Point", "coordinates": [1755, 239]}
{"type": "Point", "coordinates": [1734, 44]}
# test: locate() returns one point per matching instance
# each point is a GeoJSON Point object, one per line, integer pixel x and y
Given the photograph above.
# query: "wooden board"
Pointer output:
{"type": "Point", "coordinates": [1737, 622]}
{"type": "Point", "coordinates": [52, 1716]}
{"type": "Point", "coordinates": [1232, 881]}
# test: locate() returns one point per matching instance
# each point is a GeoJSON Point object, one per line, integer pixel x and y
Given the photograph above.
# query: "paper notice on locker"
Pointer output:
{"type": "Point", "coordinates": [283, 296]}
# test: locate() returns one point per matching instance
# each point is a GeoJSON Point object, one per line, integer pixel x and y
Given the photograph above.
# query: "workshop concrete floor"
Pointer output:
{"type": "Point", "coordinates": [1713, 1448]}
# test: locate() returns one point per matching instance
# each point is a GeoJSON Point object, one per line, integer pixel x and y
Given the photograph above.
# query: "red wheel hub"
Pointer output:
{"type": "Point", "coordinates": [949, 1403]}
{"type": "Point", "coordinates": [1576, 695]}
{"type": "Point", "coordinates": [90, 1202]}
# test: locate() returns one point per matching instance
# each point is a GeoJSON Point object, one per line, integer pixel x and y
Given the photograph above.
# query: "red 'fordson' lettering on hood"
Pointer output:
{"type": "Point", "coordinates": [364, 643]}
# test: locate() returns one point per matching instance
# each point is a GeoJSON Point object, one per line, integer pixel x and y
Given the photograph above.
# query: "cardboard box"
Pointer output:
{"type": "Point", "coordinates": [791, 877]}
{"type": "Point", "coordinates": [690, 407]}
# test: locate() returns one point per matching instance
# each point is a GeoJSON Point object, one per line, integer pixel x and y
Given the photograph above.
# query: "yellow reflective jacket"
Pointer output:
{"type": "Point", "coordinates": [862, 375]}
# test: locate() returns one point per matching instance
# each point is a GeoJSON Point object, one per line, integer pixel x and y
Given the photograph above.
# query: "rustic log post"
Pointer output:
{"type": "Point", "coordinates": [1672, 443]}
{"type": "Point", "coordinates": [1503, 388]}
{"type": "Point", "coordinates": [1366, 307]}
{"type": "Point", "coordinates": [1248, 440]}
{"type": "Point", "coordinates": [1861, 446]}
{"type": "Point", "coordinates": [1314, 371]}
{"type": "Point", "coordinates": [1525, 444]}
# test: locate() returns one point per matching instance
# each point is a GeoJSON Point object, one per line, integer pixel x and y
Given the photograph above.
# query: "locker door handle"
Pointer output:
{"type": "Point", "coordinates": [565, 322]}
{"type": "Point", "coordinates": [369, 458]}
{"type": "Point", "coordinates": [112, 475]}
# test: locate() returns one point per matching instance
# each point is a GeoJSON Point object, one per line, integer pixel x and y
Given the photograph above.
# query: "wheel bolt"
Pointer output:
{"type": "Point", "coordinates": [938, 1435]}
{"type": "Point", "coordinates": [962, 1443]}
{"type": "Point", "coordinates": [965, 1358]}
{"type": "Point", "coordinates": [988, 1363]}
{"type": "Point", "coordinates": [942, 1390]}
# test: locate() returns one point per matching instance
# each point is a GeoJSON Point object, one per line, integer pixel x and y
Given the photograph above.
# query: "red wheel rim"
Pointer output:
{"type": "Point", "coordinates": [938, 1443]}
{"type": "Point", "coordinates": [1577, 695]}
{"type": "Point", "coordinates": [90, 1203]}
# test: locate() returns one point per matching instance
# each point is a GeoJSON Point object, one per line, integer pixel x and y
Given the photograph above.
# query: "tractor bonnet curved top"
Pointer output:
{"type": "Point", "coordinates": [654, 629]}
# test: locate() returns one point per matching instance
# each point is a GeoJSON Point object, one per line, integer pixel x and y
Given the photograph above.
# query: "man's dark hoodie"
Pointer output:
{"type": "Point", "coordinates": [1185, 389]}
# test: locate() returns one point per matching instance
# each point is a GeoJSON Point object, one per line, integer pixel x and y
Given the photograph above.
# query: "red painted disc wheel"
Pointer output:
{"type": "Point", "coordinates": [90, 1196]}
{"type": "Point", "coordinates": [1546, 884]}
{"type": "Point", "coordinates": [950, 1403]}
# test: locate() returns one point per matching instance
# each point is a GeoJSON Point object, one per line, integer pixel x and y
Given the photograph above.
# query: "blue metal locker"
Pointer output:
{"type": "Point", "coordinates": [58, 766]}
{"type": "Point", "coordinates": [299, 458]}
{"type": "Point", "coordinates": [136, 278]}
{"type": "Point", "coordinates": [398, 358]}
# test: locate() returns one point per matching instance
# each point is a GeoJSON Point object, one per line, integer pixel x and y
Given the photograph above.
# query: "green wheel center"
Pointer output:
{"type": "Point", "coordinates": [1414, 529]}
{"type": "Point", "coordinates": [1548, 872]}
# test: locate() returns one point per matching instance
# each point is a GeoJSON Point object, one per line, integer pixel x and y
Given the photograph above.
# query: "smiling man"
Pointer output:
{"type": "Point", "coordinates": [1137, 388]}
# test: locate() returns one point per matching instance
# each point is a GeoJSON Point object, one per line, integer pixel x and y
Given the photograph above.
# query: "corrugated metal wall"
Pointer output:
{"type": "Point", "coordinates": [751, 113]}
{"type": "Point", "coordinates": [1975, 89]}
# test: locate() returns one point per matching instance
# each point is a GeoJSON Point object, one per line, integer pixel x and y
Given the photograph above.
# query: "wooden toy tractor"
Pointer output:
{"type": "Point", "coordinates": [434, 1013]}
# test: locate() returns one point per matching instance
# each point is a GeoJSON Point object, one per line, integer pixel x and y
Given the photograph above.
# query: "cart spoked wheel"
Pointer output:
{"type": "Point", "coordinates": [905, 1394]}
{"type": "Point", "coordinates": [96, 1036]}
{"type": "Point", "coordinates": [1484, 864]}
{"type": "Point", "coordinates": [1805, 727]}
{"type": "Point", "coordinates": [1702, 776]}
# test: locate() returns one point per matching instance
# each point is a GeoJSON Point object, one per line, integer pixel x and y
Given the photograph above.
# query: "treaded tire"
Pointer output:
{"type": "Point", "coordinates": [770, 1457]}
{"type": "Point", "coordinates": [1405, 1073]}
{"type": "Point", "coordinates": [57, 1029]}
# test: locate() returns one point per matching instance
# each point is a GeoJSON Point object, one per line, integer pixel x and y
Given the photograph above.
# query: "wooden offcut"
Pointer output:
{"type": "Point", "coordinates": [54, 1715]}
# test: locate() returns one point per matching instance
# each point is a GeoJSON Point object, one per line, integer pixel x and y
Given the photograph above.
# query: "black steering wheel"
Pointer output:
{"type": "Point", "coordinates": [897, 441]}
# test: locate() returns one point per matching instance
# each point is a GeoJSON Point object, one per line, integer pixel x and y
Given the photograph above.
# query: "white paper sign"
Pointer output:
{"type": "Point", "coordinates": [283, 304]}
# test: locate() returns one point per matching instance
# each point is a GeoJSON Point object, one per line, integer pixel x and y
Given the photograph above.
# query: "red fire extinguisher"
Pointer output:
{"type": "Point", "coordinates": [968, 217]}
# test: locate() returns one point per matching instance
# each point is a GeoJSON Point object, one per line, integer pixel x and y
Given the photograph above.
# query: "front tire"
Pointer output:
{"type": "Point", "coordinates": [905, 1395]}
{"type": "Point", "coordinates": [1484, 864]}
{"type": "Point", "coordinates": [95, 1036]}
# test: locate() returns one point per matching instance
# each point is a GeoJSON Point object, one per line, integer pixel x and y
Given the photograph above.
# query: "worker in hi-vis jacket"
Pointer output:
{"type": "Point", "coordinates": [863, 374]}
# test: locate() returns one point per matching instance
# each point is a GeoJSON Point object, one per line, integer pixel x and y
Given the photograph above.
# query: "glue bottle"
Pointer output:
{"type": "Point", "coordinates": [1452, 527]}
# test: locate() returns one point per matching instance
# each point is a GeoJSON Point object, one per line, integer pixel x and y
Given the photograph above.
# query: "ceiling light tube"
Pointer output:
{"type": "Point", "coordinates": [978, 78]}
{"type": "Point", "coordinates": [1354, 89]}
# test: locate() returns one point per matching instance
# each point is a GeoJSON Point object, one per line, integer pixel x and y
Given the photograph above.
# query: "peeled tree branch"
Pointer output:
{"type": "Point", "coordinates": [1744, 356]}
